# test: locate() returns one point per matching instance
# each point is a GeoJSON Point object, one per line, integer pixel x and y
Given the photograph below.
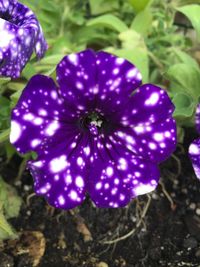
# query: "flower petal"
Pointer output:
{"type": "Point", "coordinates": [14, 53]}
{"type": "Point", "coordinates": [39, 116]}
{"type": "Point", "coordinates": [25, 19]}
{"type": "Point", "coordinates": [97, 80]}
{"type": "Point", "coordinates": [197, 118]}
{"type": "Point", "coordinates": [153, 142]}
{"type": "Point", "coordinates": [149, 104]}
{"type": "Point", "coordinates": [76, 74]}
{"type": "Point", "coordinates": [117, 78]}
{"type": "Point", "coordinates": [6, 6]}
{"type": "Point", "coordinates": [20, 34]}
{"type": "Point", "coordinates": [194, 153]}
{"type": "Point", "coordinates": [61, 176]}
{"type": "Point", "coordinates": [116, 175]}
{"type": "Point", "coordinates": [147, 127]}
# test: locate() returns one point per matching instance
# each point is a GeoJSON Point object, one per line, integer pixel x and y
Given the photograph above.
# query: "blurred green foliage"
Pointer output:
{"type": "Point", "coordinates": [159, 37]}
{"type": "Point", "coordinates": [9, 207]}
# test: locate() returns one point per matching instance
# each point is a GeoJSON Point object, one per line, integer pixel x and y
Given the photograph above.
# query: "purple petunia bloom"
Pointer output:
{"type": "Point", "coordinates": [99, 132]}
{"type": "Point", "coordinates": [20, 35]}
{"type": "Point", "coordinates": [194, 148]}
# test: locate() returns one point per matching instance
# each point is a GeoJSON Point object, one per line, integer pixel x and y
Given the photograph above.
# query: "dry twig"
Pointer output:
{"type": "Point", "coordinates": [144, 212]}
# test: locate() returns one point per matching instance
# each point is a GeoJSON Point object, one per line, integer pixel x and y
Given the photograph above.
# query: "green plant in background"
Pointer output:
{"type": "Point", "coordinates": [157, 36]}
{"type": "Point", "coordinates": [9, 207]}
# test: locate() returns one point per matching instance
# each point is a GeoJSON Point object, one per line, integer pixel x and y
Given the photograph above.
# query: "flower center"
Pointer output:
{"type": "Point", "coordinates": [5, 16]}
{"type": "Point", "coordinates": [93, 122]}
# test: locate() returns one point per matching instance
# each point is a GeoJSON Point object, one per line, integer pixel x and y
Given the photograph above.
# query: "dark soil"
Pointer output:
{"type": "Point", "coordinates": [169, 234]}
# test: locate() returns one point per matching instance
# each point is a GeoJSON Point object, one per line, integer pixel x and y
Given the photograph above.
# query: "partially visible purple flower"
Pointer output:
{"type": "Point", "coordinates": [194, 148]}
{"type": "Point", "coordinates": [100, 132]}
{"type": "Point", "coordinates": [20, 35]}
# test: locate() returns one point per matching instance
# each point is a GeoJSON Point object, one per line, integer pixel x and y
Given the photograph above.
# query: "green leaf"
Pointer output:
{"type": "Point", "coordinates": [10, 151]}
{"type": "Point", "coordinates": [142, 23]}
{"type": "Point", "coordinates": [192, 13]}
{"type": "Point", "coordinates": [185, 58]}
{"type": "Point", "coordinates": [184, 106]}
{"type": "Point", "coordinates": [4, 135]}
{"type": "Point", "coordinates": [131, 39]}
{"type": "Point", "coordinates": [6, 231]}
{"type": "Point", "coordinates": [101, 6]}
{"type": "Point", "coordinates": [4, 112]}
{"type": "Point", "coordinates": [28, 71]}
{"type": "Point", "coordinates": [10, 202]}
{"type": "Point", "coordinates": [15, 97]}
{"type": "Point", "coordinates": [13, 203]}
{"type": "Point", "coordinates": [135, 50]}
{"type": "Point", "coordinates": [185, 79]}
{"type": "Point", "coordinates": [139, 5]}
{"type": "Point", "coordinates": [50, 60]}
{"type": "Point", "coordinates": [9, 207]}
{"type": "Point", "coordinates": [4, 106]}
{"type": "Point", "coordinates": [60, 46]}
{"type": "Point", "coordinates": [109, 21]}
{"type": "Point", "coordinates": [16, 86]}
{"type": "Point", "coordinates": [4, 80]}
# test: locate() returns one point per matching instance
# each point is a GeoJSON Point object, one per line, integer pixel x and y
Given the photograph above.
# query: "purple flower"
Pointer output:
{"type": "Point", "coordinates": [20, 35]}
{"type": "Point", "coordinates": [99, 132]}
{"type": "Point", "coordinates": [194, 148]}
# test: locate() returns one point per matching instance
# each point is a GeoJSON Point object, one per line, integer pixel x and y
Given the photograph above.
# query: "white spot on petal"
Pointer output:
{"type": "Point", "coordinates": [79, 181]}
{"type": "Point", "coordinates": [152, 146]}
{"type": "Point", "coordinates": [158, 137]}
{"type": "Point", "coordinates": [152, 100]}
{"type": "Point", "coordinates": [61, 200]}
{"type": "Point", "coordinates": [109, 171]}
{"type": "Point", "coordinates": [120, 60]}
{"type": "Point", "coordinates": [143, 189]}
{"type": "Point", "coordinates": [98, 185]}
{"type": "Point", "coordinates": [80, 161]}
{"type": "Point", "coordinates": [87, 150]}
{"type": "Point", "coordinates": [73, 195]}
{"type": "Point", "coordinates": [51, 128]}
{"type": "Point", "coordinates": [5, 36]}
{"type": "Point", "coordinates": [73, 58]}
{"type": "Point", "coordinates": [35, 142]}
{"type": "Point", "coordinates": [15, 132]}
{"type": "Point", "coordinates": [131, 73]}
{"type": "Point", "coordinates": [28, 117]}
{"type": "Point", "coordinates": [58, 164]}
{"type": "Point", "coordinates": [38, 121]}
{"type": "Point", "coordinates": [42, 112]}
{"type": "Point", "coordinates": [194, 149]}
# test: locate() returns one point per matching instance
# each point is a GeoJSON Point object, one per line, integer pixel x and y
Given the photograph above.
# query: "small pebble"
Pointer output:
{"type": "Point", "coordinates": [198, 211]}
{"type": "Point", "coordinates": [192, 206]}
{"type": "Point", "coordinates": [28, 212]}
{"type": "Point", "coordinates": [184, 191]}
{"type": "Point", "coordinates": [26, 188]}
{"type": "Point", "coordinates": [176, 182]}
{"type": "Point", "coordinates": [155, 196]}
{"type": "Point", "coordinates": [133, 219]}
{"type": "Point", "coordinates": [18, 183]}
{"type": "Point", "coordinates": [102, 264]}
